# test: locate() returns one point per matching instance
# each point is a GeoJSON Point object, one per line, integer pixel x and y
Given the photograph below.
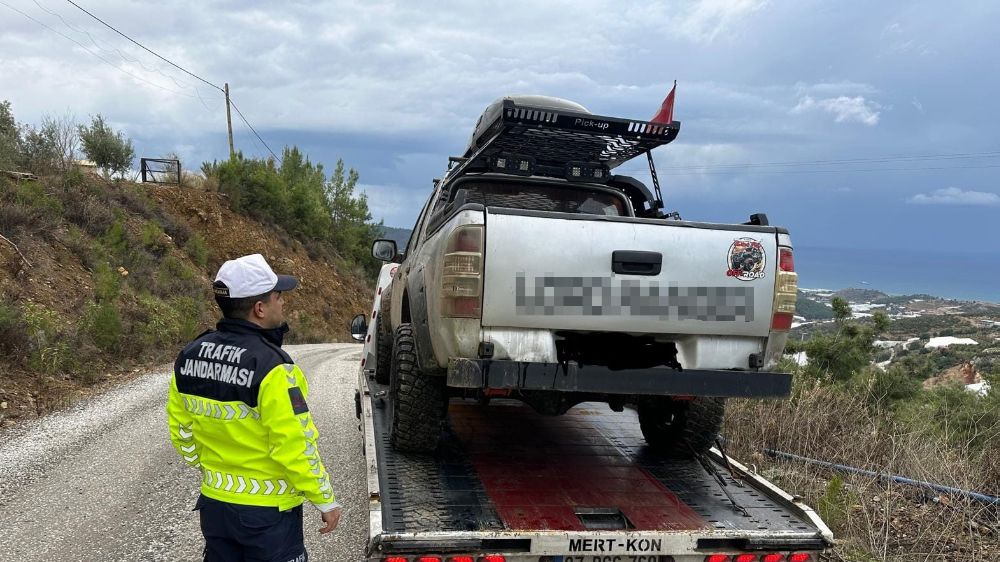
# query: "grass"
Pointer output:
{"type": "Point", "coordinates": [147, 296]}
{"type": "Point", "coordinates": [853, 425]}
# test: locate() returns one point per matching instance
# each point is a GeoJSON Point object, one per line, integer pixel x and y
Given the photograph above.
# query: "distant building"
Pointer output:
{"type": "Point", "coordinates": [980, 388]}
{"type": "Point", "coordinates": [87, 167]}
{"type": "Point", "coordinates": [945, 341]}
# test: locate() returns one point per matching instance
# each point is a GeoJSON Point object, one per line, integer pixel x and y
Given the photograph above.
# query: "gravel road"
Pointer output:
{"type": "Point", "coordinates": [102, 482]}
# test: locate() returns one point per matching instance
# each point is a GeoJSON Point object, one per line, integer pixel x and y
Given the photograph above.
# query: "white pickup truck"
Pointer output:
{"type": "Point", "coordinates": [535, 273]}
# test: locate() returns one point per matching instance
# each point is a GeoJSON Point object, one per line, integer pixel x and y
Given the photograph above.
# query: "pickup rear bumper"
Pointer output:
{"type": "Point", "coordinates": [660, 381]}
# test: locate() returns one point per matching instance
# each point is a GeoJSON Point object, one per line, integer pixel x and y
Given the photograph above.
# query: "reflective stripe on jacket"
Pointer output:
{"type": "Point", "coordinates": [237, 410]}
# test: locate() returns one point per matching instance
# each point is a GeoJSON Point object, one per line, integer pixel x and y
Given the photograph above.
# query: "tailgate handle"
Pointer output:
{"type": "Point", "coordinates": [634, 262]}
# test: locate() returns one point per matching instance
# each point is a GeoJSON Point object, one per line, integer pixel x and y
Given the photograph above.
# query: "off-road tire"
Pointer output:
{"type": "Point", "coordinates": [419, 401]}
{"type": "Point", "coordinates": [383, 351]}
{"type": "Point", "coordinates": [681, 428]}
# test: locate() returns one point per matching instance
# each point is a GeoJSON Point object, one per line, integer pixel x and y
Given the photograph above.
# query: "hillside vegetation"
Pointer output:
{"type": "Point", "coordinates": [100, 276]}
{"type": "Point", "coordinates": [848, 411]}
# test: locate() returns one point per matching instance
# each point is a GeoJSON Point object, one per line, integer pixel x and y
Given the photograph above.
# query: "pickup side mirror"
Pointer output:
{"type": "Point", "coordinates": [384, 250]}
{"type": "Point", "coordinates": [359, 327]}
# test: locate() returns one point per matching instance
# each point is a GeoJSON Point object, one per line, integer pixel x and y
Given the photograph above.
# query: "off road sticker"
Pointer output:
{"type": "Point", "coordinates": [747, 260]}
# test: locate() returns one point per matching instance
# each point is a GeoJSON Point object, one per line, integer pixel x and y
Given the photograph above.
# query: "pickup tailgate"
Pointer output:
{"type": "Point", "coordinates": [617, 274]}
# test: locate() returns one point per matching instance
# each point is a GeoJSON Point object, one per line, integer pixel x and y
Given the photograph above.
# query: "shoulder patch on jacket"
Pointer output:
{"type": "Point", "coordinates": [299, 405]}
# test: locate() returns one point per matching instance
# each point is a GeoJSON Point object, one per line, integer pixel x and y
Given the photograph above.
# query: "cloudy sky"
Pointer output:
{"type": "Point", "coordinates": [853, 123]}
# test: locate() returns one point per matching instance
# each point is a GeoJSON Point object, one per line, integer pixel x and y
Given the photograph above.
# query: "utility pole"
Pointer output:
{"type": "Point", "coordinates": [229, 122]}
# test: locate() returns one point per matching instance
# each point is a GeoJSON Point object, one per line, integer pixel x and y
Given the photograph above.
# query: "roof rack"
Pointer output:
{"type": "Point", "coordinates": [551, 141]}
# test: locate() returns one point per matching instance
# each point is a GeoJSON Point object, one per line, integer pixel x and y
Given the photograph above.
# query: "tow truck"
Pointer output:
{"type": "Point", "coordinates": [507, 484]}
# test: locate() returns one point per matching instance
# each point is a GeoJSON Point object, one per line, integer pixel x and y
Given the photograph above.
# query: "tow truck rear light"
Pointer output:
{"type": "Point", "coordinates": [462, 273]}
{"type": "Point", "coordinates": [493, 558]}
{"type": "Point", "coordinates": [396, 559]}
{"type": "Point", "coordinates": [461, 559]}
{"type": "Point", "coordinates": [718, 558]}
{"type": "Point", "coordinates": [429, 559]}
{"type": "Point", "coordinates": [745, 558]}
{"type": "Point", "coordinates": [773, 558]}
{"type": "Point", "coordinates": [800, 557]}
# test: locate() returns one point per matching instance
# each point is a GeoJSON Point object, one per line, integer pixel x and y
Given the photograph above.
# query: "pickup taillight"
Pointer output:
{"type": "Point", "coordinates": [462, 273]}
{"type": "Point", "coordinates": [786, 284]}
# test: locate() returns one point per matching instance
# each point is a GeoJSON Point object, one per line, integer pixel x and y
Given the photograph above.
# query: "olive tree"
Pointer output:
{"type": "Point", "coordinates": [112, 151]}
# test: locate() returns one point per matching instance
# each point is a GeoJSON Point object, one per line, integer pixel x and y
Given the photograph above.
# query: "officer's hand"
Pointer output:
{"type": "Point", "coordinates": [330, 518]}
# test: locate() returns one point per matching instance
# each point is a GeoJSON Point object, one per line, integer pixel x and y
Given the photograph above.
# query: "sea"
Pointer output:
{"type": "Point", "coordinates": [954, 275]}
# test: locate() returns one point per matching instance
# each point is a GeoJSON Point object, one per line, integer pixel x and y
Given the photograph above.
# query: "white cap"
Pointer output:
{"type": "Point", "coordinates": [250, 276]}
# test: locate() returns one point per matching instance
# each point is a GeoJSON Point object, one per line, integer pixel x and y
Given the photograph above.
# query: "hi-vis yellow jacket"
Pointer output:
{"type": "Point", "coordinates": [237, 410]}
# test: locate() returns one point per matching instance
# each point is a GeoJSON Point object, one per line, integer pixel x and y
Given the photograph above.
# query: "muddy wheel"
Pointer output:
{"type": "Point", "coordinates": [681, 428]}
{"type": "Point", "coordinates": [419, 401]}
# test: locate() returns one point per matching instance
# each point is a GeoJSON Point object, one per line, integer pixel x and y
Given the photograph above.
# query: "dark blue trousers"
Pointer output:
{"type": "Point", "coordinates": [246, 533]}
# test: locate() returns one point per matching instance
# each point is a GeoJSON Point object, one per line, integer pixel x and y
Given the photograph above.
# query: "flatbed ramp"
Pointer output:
{"type": "Point", "coordinates": [507, 474]}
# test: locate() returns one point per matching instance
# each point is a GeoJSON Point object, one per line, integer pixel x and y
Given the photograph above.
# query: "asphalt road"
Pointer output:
{"type": "Point", "coordinates": [102, 482]}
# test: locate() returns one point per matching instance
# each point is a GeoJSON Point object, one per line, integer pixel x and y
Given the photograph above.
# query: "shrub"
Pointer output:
{"type": "Point", "coordinates": [14, 337]}
{"type": "Point", "coordinates": [104, 326]}
{"type": "Point", "coordinates": [176, 229]}
{"type": "Point", "coordinates": [153, 238]}
{"type": "Point", "coordinates": [190, 312]}
{"type": "Point", "coordinates": [175, 278]}
{"type": "Point", "coordinates": [73, 178]}
{"type": "Point", "coordinates": [26, 208]}
{"type": "Point", "coordinates": [957, 416]}
{"type": "Point", "coordinates": [136, 200]}
{"type": "Point", "coordinates": [115, 239]}
{"type": "Point", "coordinates": [16, 218]}
{"type": "Point", "coordinates": [89, 212]}
{"type": "Point", "coordinates": [298, 197]}
{"type": "Point", "coordinates": [884, 389]}
{"type": "Point", "coordinates": [50, 353]}
{"type": "Point", "coordinates": [834, 504]}
{"type": "Point", "coordinates": [9, 316]}
{"type": "Point", "coordinates": [9, 133]}
{"type": "Point", "coordinates": [32, 194]}
{"type": "Point", "coordinates": [107, 283]}
{"type": "Point", "coordinates": [197, 250]}
{"type": "Point", "coordinates": [112, 151]}
{"type": "Point", "coordinates": [159, 323]}
{"type": "Point", "coordinates": [142, 268]}
{"type": "Point", "coordinates": [90, 254]}
{"type": "Point", "coordinates": [39, 149]}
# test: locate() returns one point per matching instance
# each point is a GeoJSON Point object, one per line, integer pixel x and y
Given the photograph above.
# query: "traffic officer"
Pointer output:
{"type": "Point", "coordinates": [237, 411]}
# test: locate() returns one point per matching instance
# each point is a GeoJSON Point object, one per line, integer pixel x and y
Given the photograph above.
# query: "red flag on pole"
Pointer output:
{"type": "Point", "coordinates": [666, 113]}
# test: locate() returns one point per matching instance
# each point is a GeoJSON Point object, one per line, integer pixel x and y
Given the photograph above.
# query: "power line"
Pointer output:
{"type": "Point", "coordinates": [240, 113]}
{"type": "Point", "coordinates": [902, 158]}
{"type": "Point", "coordinates": [847, 171]}
{"type": "Point", "coordinates": [115, 50]}
{"type": "Point", "coordinates": [116, 67]}
{"type": "Point", "coordinates": [157, 55]}
{"type": "Point", "coordinates": [760, 168]}
{"type": "Point", "coordinates": [85, 48]}
{"type": "Point", "coordinates": [144, 47]}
